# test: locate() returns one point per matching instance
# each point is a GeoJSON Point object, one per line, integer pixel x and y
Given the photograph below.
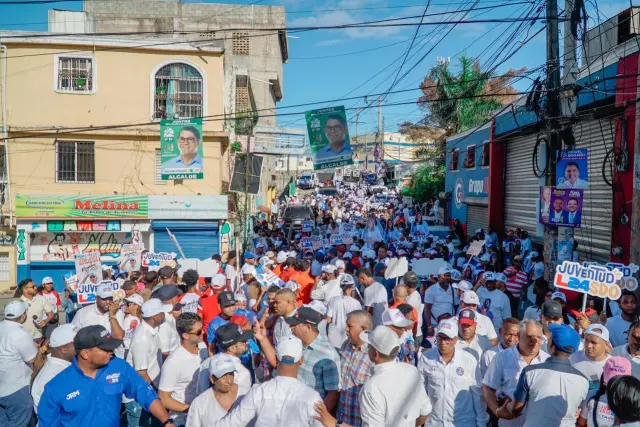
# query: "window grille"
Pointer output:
{"type": "Point", "coordinates": [178, 92]}
{"type": "Point", "coordinates": [75, 162]}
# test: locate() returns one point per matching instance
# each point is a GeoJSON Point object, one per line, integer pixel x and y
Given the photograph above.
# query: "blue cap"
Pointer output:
{"type": "Point", "coordinates": [333, 251]}
{"type": "Point", "coordinates": [248, 255]}
{"type": "Point", "coordinates": [565, 338]}
{"type": "Point", "coordinates": [319, 255]}
{"type": "Point", "coordinates": [378, 268]}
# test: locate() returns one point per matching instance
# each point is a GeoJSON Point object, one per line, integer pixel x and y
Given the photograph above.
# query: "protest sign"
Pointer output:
{"type": "Point", "coordinates": [208, 267]}
{"type": "Point", "coordinates": [87, 291]}
{"type": "Point", "coordinates": [425, 267]}
{"type": "Point", "coordinates": [307, 226]}
{"type": "Point", "coordinates": [266, 278]}
{"type": "Point", "coordinates": [396, 267]}
{"type": "Point", "coordinates": [329, 138]}
{"type": "Point", "coordinates": [340, 239]}
{"type": "Point", "coordinates": [572, 169]}
{"type": "Point", "coordinates": [475, 248]}
{"type": "Point", "coordinates": [155, 261]}
{"type": "Point", "coordinates": [346, 228]}
{"type": "Point", "coordinates": [419, 238]}
{"type": "Point", "coordinates": [130, 258]}
{"type": "Point", "coordinates": [181, 151]}
{"type": "Point", "coordinates": [88, 268]}
{"type": "Point", "coordinates": [628, 281]}
{"type": "Point", "coordinates": [71, 282]}
{"type": "Point", "coordinates": [187, 264]}
{"type": "Point", "coordinates": [596, 280]}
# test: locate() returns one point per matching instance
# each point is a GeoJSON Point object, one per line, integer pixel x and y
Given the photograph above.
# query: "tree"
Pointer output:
{"type": "Point", "coordinates": [426, 183]}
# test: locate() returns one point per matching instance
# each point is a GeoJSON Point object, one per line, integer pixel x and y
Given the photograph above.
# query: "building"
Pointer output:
{"type": "Point", "coordinates": [83, 150]}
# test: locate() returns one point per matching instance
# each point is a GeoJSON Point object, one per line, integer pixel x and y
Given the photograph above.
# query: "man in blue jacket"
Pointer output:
{"type": "Point", "coordinates": [89, 392]}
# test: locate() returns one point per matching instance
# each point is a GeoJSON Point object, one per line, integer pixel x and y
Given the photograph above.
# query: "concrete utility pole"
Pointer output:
{"type": "Point", "coordinates": [357, 139]}
{"type": "Point", "coordinates": [380, 136]}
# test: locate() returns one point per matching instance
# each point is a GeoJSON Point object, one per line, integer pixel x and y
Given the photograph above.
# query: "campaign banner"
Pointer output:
{"type": "Point", "coordinates": [155, 261]}
{"type": "Point", "coordinates": [340, 239]}
{"type": "Point", "coordinates": [572, 169]}
{"type": "Point", "coordinates": [329, 138]}
{"type": "Point", "coordinates": [88, 268]}
{"type": "Point", "coordinates": [357, 220]}
{"type": "Point", "coordinates": [628, 280]}
{"type": "Point", "coordinates": [349, 229]}
{"type": "Point", "coordinates": [181, 151]}
{"type": "Point", "coordinates": [266, 278]}
{"type": "Point", "coordinates": [130, 258]}
{"type": "Point", "coordinates": [306, 243]}
{"type": "Point", "coordinates": [596, 280]}
{"type": "Point", "coordinates": [561, 207]}
{"type": "Point", "coordinates": [307, 226]}
{"type": "Point", "coordinates": [87, 291]}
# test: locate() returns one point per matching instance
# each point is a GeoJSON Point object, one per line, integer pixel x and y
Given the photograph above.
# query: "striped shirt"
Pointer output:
{"type": "Point", "coordinates": [320, 368]}
{"type": "Point", "coordinates": [356, 369]}
{"type": "Point", "coordinates": [516, 282]}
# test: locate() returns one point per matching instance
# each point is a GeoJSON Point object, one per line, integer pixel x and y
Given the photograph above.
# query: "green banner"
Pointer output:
{"type": "Point", "coordinates": [39, 206]}
{"type": "Point", "coordinates": [329, 138]}
{"type": "Point", "coordinates": [181, 149]}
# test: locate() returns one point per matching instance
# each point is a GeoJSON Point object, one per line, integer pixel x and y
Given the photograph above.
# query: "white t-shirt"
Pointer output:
{"type": "Point", "coordinates": [415, 300]}
{"type": "Point", "coordinates": [590, 369]}
{"type": "Point", "coordinates": [39, 307]}
{"type": "Point", "coordinates": [89, 315]}
{"type": "Point", "coordinates": [618, 328]}
{"type": "Point", "coordinates": [179, 376]}
{"type": "Point", "coordinates": [604, 415]}
{"type": "Point", "coordinates": [338, 309]}
{"type": "Point", "coordinates": [168, 338]}
{"type": "Point", "coordinates": [144, 354]}
{"type": "Point", "coordinates": [532, 313]}
{"type": "Point", "coordinates": [16, 349]}
{"type": "Point", "coordinates": [230, 272]}
{"type": "Point", "coordinates": [205, 409]}
{"type": "Point", "coordinates": [375, 296]}
{"type": "Point", "coordinates": [131, 322]}
{"type": "Point", "coordinates": [191, 301]}
{"type": "Point", "coordinates": [499, 305]}
{"type": "Point", "coordinates": [52, 367]}
{"type": "Point", "coordinates": [484, 327]}
{"type": "Point", "coordinates": [441, 301]}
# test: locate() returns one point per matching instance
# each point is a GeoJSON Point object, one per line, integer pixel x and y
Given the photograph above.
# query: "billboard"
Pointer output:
{"type": "Point", "coordinates": [561, 207]}
{"type": "Point", "coordinates": [52, 207]}
{"type": "Point", "coordinates": [329, 138]}
{"type": "Point", "coordinates": [181, 149]}
{"type": "Point", "coordinates": [572, 169]}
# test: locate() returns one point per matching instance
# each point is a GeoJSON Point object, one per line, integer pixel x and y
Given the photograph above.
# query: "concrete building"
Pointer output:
{"type": "Point", "coordinates": [83, 172]}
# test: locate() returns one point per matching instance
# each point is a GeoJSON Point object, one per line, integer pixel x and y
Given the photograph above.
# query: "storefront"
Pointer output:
{"type": "Point", "coordinates": [191, 224]}
{"type": "Point", "coordinates": [51, 230]}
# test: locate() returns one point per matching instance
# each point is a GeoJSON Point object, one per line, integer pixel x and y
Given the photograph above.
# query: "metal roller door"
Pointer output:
{"type": "Point", "coordinates": [198, 239]}
{"type": "Point", "coordinates": [521, 186]}
{"type": "Point", "coordinates": [477, 217]}
{"type": "Point", "coordinates": [594, 236]}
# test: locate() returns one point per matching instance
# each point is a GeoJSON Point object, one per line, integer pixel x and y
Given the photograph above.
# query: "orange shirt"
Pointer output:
{"type": "Point", "coordinates": [278, 270]}
{"type": "Point", "coordinates": [285, 275]}
{"type": "Point", "coordinates": [305, 283]}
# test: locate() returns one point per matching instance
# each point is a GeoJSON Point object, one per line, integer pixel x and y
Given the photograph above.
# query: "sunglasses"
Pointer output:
{"type": "Point", "coordinates": [198, 332]}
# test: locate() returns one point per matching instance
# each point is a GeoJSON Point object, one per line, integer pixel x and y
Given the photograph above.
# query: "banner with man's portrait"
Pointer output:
{"type": "Point", "coordinates": [561, 207]}
{"type": "Point", "coordinates": [329, 138]}
{"type": "Point", "coordinates": [572, 169]}
{"type": "Point", "coordinates": [181, 152]}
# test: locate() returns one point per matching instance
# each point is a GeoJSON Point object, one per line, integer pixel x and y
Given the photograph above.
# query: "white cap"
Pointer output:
{"type": "Point", "coordinates": [382, 338]}
{"type": "Point", "coordinates": [289, 346]}
{"type": "Point", "coordinates": [47, 280]}
{"type": "Point", "coordinates": [291, 285]}
{"type": "Point", "coordinates": [348, 255]}
{"type": "Point", "coordinates": [136, 299]}
{"type": "Point", "coordinates": [265, 261]}
{"type": "Point", "coordinates": [500, 277]}
{"type": "Point", "coordinates": [221, 364]}
{"type": "Point", "coordinates": [560, 295]}
{"type": "Point", "coordinates": [371, 254]}
{"type": "Point", "coordinates": [347, 279]}
{"type": "Point", "coordinates": [470, 297]}
{"type": "Point", "coordinates": [247, 269]}
{"type": "Point", "coordinates": [260, 245]}
{"type": "Point", "coordinates": [463, 285]}
{"type": "Point", "coordinates": [219, 281]}
{"type": "Point", "coordinates": [15, 309]}
{"type": "Point", "coordinates": [393, 316]}
{"type": "Point", "coordinates": [355, 248]}
{"type": "Point", "coordinates": [448, 327]}
{"type": "Point", "coordinates": [240, 297]}
{"type": "Point", "coordinates": [599, 331]}
{"type": "Point", "coordinates": [331, 269]}
{"type": "Point", "coordinates": [63, 334]}
{"type": "Point", "coordinates": [456, 275]}
{"type": "Point", "coordinates": [444, 270]}
{"type": "Point", "coordinates": [318, 306]}
{"type": "Point", "coordinates": [104, 290]}
{"type": "Point", "coordinates": [281, 257]}
{"type": "Point", "coordinates": [485, 258]}
{"type": "Point", "coordinates": [292, 254]}
{"type": "Point", "coordinates": [155, 306]}
{"type": "Point", "coordinates": [340, 264]}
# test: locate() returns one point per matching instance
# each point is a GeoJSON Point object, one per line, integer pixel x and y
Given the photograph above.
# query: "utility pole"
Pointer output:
{"type": "Point", "coordinates": [357, 139]}
{"type": "Point", "coordinates": [379, 136]}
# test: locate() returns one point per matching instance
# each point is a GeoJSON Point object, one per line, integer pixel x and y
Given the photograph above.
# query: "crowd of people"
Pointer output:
{"type": "Point", "coordinates": [308, 328]}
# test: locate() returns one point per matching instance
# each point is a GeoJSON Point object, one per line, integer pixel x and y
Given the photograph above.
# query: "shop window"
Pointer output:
{"type": "Point", "coordinates": [4, 267]}
{"type": "Point", "coordinates": [159, 180]}
{"type": "Point", "coordinates": [470, 161]}
{"type": "Point", "coordinates": [75, 162]}
{"type": "Point", "coordinates": [453, 164]}
{"type": "Point", "coordinates": [484, 156]}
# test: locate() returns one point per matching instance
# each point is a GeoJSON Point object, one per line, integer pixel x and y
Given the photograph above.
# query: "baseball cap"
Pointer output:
{"type": "Point", "coordinates": [467, 317]}
{"type": "Point", "coordinates": [551, 308]}
{"type": "Point", "coordinates": [248, 255]}
{"type": "Point", "coordinates": [238, 320]}
{"type": "Point", "coordinates": [347, 255]}
{"type": "Point", "coordinates": [270, 254]}
{"type": "Point", "coordinates": [219, 281]}
{"type": "Point", "coordinates": [292, 254]}
{"type": "Point", "coordinates": [240, 297]}
{"type": "Point", "coordinates": [456, 275]}
{"type": "Point", "coordinates": [490, 276]}
{"type": "Point", "coordinates": [470, 297]}
{"type": "Point", "coordinates": [394, 317]}
{"type": "Point", "coordinates": [517, 258]}
{"type": "Point", "coordinates": [63, 334]}
{"type": "Point", "coordinates": [318, 306]}
{"type": "Point", "coordinates": [485, 258]}
{"type": "Point", "coordinates": [15, 309]}
{"type": "Point", "coordinates": [265, 261]}
{"type": "Point", "coordinates": [47, 280]}
{"type": "Point", "coordinates": [444, 270]}
{"type": "Point", "coordinates": [221, 364]}
{"type": "Point", "coordinates": [304, 315]}
{"type": "Point", "coordinates": [104, 290]}
{"type": "Point", "coordinates": [166, 272]}
{"type": "Point", "coordinates": [292, 285]}
{"type": "Point", "coordinates": [463, 285]}
{"type": "Point", "coordinates": [501, 278]}
{"type": "Point", "coordinates": [560, 295]}
{"type": "Point", "coordinates": [230, 334]}
{"type": "Point", "coordinates": [410, 277]}
{"type": "Point", "coordinates": [260, 245]}
{"type": "Point", "coordinates": [135, 299]}
{"type": "Point", "coordinates": [331, 269]}
{"type": "Point", "coordinates": [371, 254]}
{"type": "Point", "coordinates": [347, 281]}
{"type": "Point", "coordinates": [289, 347]}
{"type": "Point", "coordinates": [226, 299]}
{"type": "Point", "coordinates": [166, 292]}
{"type": "Point", "coordinates": [155, 306]}
{"type": "Point", "coordinates": [564, 337]}
{"type": "Point", "coordinates": [247, 269]}
{"type": "Point", "coordinates": [382, 338]}
{"type": "Point", "coordinates": [615, 366]}
{"type": "Point", "coordinates": [448, 328]}
{"type": "Point", "coordinates": [340, 264]}
{"type": "Point", "coordinates": [95, 336]}
{"type": "Point", "coordinates": [281, 257]}
{"type": "Point", "coordinates": [354, 248]}
{"type": "Point", "coordinates": [599, 331]}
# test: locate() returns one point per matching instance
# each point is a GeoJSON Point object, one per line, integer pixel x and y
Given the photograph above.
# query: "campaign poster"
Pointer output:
{"type": "Point", "coordinates": [566, 207]}
{"type": "Point", "coordinates": [130, 258]}
{"type": "Point", "coordinates": [307, 226]}
{"type": "Point", "coordinates": [87, 291]}
{"type": "Point", "coordinates": [155, 261]}
{"type": "Point", "coordinates": [572, 169]}
{"type": "Point", "coordinates": [181, 150]}
{"type": "Point", "coordinates": [329, 138]}
{"type": "Point", "coordinates": [545, 204]}
{"type": "Point", "coordinates": [88, 270]}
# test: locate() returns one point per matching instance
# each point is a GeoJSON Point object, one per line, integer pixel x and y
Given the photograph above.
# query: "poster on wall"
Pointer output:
{"type": "Point", "coordinates": [329, 138]}
{"type": "Point", "coordinates": [181, 151]}
{"type": "Point", "coordinates": [572, 169]}
{"type": "Point", "coordinates": [561, 207]}
{"type": "Point", "coordinates": [88, 268]}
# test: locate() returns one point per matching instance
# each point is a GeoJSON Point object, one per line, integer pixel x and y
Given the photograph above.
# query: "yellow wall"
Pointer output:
{"type": "Point", "coordinates": [10, 284]}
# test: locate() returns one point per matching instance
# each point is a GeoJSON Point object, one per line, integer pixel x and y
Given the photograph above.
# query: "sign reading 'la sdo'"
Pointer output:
{"type": "Point", "coordinates": [594, 280]}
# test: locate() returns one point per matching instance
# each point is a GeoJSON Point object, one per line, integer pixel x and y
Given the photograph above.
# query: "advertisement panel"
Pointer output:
{"type": "Point", "coordinates": [329, 138]}
{"type": "Point", "coordinates": [51, 207]}
{"type": "Point", "coordinates": [572, 169]}
{"type": "Point", "coordinates": [181, 150]}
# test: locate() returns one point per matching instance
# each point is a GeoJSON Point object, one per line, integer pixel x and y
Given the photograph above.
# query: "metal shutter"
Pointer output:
{"type": "Point", "coordinates": [522, 187]}
{"type": "Point", "coordinates": [477, 217]}
{"type": "Point", "coordinates": [594, 236]}
{"type": "Point", "coordinates": [198, 239]}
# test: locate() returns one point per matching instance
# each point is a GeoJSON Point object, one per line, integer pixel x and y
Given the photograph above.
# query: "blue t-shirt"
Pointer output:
{"type": "Point", "coordinates": [213, 327]}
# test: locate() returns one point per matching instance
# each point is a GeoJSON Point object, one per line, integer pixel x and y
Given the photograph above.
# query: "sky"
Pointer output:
{"type": "Point", "coordinates": [333, 64]}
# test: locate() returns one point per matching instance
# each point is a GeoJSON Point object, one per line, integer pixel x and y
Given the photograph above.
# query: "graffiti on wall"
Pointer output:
{"type": "Point", "coordinates": [66, 245]}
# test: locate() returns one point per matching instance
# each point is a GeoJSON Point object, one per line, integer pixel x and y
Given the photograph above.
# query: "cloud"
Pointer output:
{"type": "Point", "coordinates": [329, 42]}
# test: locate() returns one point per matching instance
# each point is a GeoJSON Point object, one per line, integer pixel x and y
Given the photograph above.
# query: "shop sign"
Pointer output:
{"type": "Point", "coordinates": [46, 206]}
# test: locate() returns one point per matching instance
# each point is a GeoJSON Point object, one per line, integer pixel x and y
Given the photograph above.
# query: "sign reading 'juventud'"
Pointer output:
{"type": "Point", "coordinates": [46, 206]}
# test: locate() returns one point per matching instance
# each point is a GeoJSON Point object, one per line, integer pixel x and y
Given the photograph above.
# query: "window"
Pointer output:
{"type": "Point", "coordinates": [240, 43]}
{"type": "Point", "coordinates": [159, 180]}
{"type": "Point", "coordinates": [484, 156]}
{"type": "Point", "coordinates": [74, 74]}
{"type": "Point", "coordinates": [75, 162]}
{"type": "Point", "coordinates": [470, 161]}
{"type": "Point", "coordinates": [178, 92]}
{"type": "Point", "coordinates": [453, 166]}
{"type": "Point", "coordinates": [4, 267]}
{"type": "Point", "coordinates": [3, 165]}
